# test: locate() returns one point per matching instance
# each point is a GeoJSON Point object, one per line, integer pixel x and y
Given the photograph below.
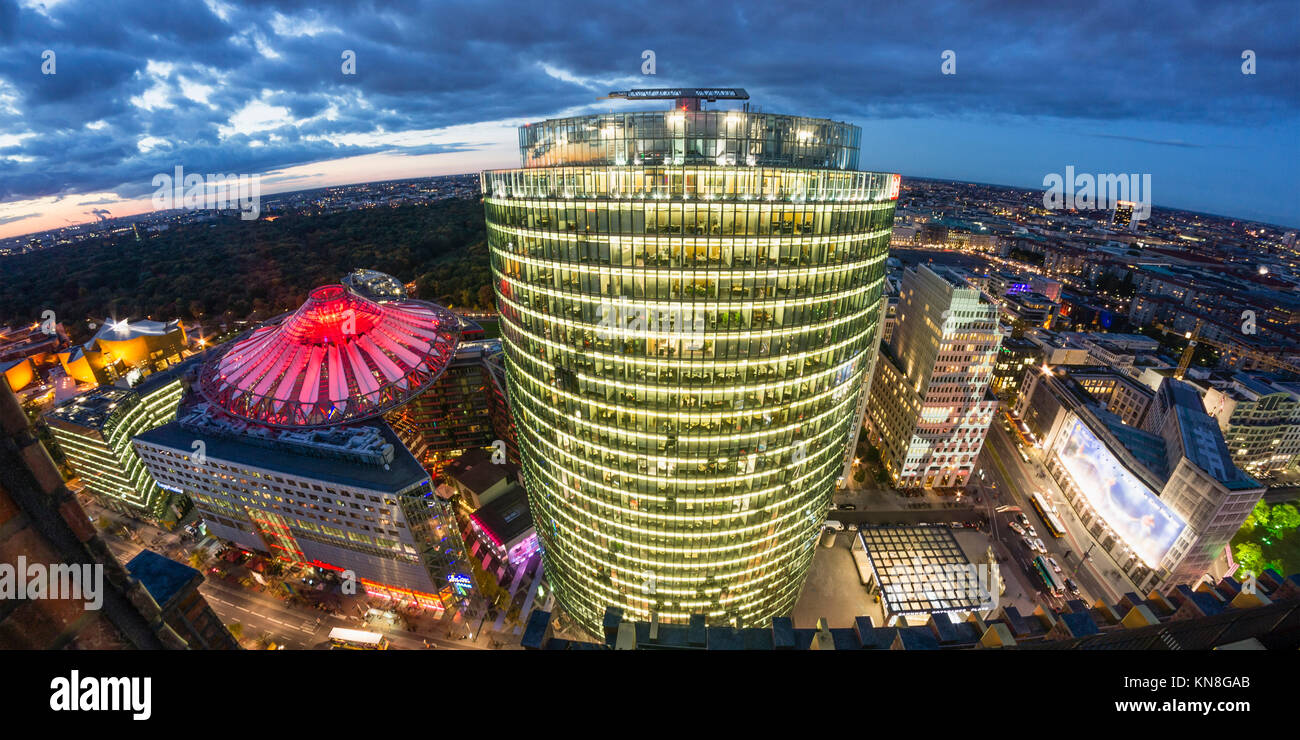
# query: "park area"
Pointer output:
{"type": "Point", "coordinates": [1269, 539]}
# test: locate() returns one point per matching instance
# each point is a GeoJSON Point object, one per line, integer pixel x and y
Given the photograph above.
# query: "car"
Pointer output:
{"type": "Point", "coordinates": [1074, 589]}
{"type": "Point", "coordinates": [1020, 517]}
{"type": "Point", "coordinates": [832, 524]}
{"type": "Point", "coordinates": [1052, 562]}
{"type": "Point", "coordinates": [1028, 545]}
{"type": "Point", "coordinates": [1038, 545]}
{"type": "Point", "coordinates": [1015, 527]}
{"type": "Point", "coordinates": [848, 507]}
{"type": "Point", "coordinates": [1029, 529]}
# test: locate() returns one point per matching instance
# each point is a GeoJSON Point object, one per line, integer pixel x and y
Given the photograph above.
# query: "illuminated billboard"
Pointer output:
{"type": "Point", "coordinates": [1125, 503]}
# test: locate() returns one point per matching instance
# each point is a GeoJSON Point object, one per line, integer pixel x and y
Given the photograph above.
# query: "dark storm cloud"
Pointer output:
{"type": "Point", "coordinates": [23, 217]}
{"type": "Point", "coordinates": [1143, 140]}
{"type": "Point", "coordinates": [425, 66]}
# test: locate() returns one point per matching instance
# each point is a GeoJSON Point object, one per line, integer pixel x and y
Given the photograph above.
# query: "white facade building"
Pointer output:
{"type": "Point", "coordinates": [930, 404]}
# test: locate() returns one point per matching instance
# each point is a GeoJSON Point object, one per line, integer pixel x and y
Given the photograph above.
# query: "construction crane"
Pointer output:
{"type": "Point", "coordinates": [687, 98]}
{"type": "Point", "coordinates": [1186, 360]}
{"type": "Point", "coordinates": [1241, 350]}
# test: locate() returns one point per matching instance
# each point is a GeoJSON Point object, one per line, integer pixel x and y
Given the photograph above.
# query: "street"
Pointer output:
{"type": "Point", "coordinates": [1017, 480]}
{"type": "Point", "coordinates": [293, 626]}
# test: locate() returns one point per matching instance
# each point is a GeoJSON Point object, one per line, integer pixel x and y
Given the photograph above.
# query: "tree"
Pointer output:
{"type": "Point", "coordinates": [1250, 555]}
{"type": "Point", "coordinates": [236, 629]}
{"type": "Point", "coordinates": [1283, 519]}
{"type": "Point", "coordinates": [1260, 514]}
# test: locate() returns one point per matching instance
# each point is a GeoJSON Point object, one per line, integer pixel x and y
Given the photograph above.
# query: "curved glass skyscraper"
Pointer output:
{"type": "Point", "coordinates": [688, 302]}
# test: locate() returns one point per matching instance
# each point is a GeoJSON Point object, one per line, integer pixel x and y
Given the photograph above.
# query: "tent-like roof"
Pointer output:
{"type": "Point", "coordinates": [338, 359]}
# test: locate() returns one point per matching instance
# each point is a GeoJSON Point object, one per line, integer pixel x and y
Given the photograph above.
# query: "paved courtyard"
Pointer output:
{"type": "Point", "coordinates": [833, 589]}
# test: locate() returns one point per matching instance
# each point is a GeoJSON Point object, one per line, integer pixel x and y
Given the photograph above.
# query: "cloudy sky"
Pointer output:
{"type": "Point", "coordinates": [140, 87]}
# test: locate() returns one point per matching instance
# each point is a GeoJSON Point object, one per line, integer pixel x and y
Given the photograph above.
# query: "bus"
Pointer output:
{"type": "Point", "coordinates": [1048, 514]}
{"type": "Point", "coordinates": [342, 638]}
{"type": "Point", "coordinates": [1050, 579]}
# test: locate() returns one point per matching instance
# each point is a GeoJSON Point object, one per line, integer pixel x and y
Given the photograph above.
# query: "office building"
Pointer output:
{"type": "Point", "coordinates": [1027, 310]}
{"type": "Point", "coordinates": [501, 537]}
{"type": "Point", "coordinates": [930, 404]}
{"type": "Point", "coordinates": [94, 431]}
{"type": "Point", "coordinates": [348, 498]}
{"type": "Point", "coordinates": [1161, 499]}
{"type": "Point", "coordinates": [1260, 420]}
{"type": "Point", "coordinates": [284, 449]}
{"type": "Point", "coordinates": [1015, 356]}
{"type": "Point", "coordinates": [1123, 215]}
{"type": "Point", "coordinates": [689, 301]}
{"type": "Point", "coordinates": [464, 409]}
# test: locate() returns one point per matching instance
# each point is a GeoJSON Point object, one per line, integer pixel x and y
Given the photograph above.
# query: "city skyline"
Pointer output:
{"type": "Point", "coordinates": [485, 327]}
{"type": "Point", "coordinates": [216, 87]}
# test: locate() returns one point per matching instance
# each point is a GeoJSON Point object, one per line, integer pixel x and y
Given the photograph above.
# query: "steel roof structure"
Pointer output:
{"type": "Point", "coordinates": [338, 359]}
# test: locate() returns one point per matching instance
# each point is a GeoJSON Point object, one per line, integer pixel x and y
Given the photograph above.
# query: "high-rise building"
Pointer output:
{"type": "Point", "coordinates": [283, 449]}
{"type": "Point", "coordinates": [1260, 420]}
{"type": "Point", "coordinates": [930, 404]}
{"type": "Point", "coordinates": [94, 431]}
{"type": "Point", "coordinates": [1015, 356]}
{"type": "Point", "coordinates": [1123, 215]}
{"type": "Point", "coordinates": [464, 409]}
{"type": "Point", "coordinates": [689, 300]}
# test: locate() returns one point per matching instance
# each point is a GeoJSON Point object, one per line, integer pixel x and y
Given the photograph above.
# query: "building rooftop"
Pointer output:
{"type": "Point", "coordinates": [1253, 386]}
{"type": "Point", "coordinates": [1202, 441]}
{"type": "Point", "coordinates": [506, 517]}
{"type": "Point", "coordinates": [92, 409]}
{"type": "Point", "coordinates": [375, 285]}
{"type": "Point", "coordinates": [367, 455]}
{"type": "Point", "coordinates": [162, 577]}
{"type": "Point", "coordinates": [475, 470]}
{"type": "Point", "coordinates": [338, 359]}
{"type": "Point", "coordinates": [1208, 618]}
{"type": "Point", "coordinates": [124, 330]}
{"type": "Point", "coordinates": [917, 570]}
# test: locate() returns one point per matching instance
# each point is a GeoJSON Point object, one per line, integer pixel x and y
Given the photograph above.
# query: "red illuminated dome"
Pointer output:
{"type": "Point", "coordinates": [339, 358]}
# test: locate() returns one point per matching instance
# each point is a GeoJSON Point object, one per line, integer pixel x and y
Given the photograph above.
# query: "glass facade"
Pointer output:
{"type": "Point", "coordinates": [691, 137]}
{"type": "Point", "coordinates": [685, 345]}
